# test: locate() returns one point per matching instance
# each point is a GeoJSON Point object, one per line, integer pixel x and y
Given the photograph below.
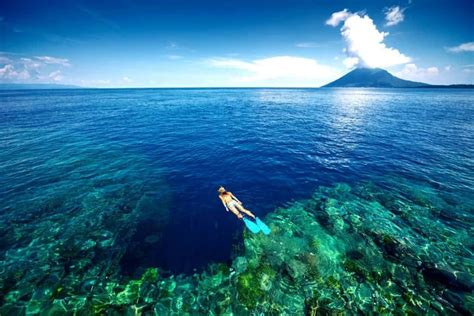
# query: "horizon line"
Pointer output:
{"type": "Point", "coordinates": [73, 87]}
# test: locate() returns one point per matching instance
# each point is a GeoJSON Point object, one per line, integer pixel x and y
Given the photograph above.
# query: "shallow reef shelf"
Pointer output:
{"type": "Point", "coordinates": [360, 249]}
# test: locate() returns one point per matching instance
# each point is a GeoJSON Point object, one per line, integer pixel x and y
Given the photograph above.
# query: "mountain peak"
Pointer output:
{"type": "Point", "coordinates": [373, 78]}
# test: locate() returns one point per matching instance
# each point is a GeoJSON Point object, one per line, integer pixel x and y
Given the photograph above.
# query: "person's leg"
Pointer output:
{"type": "Point", "coordinates": [244, 210]}
{"type": "Point", "coordinates": [234, 210]}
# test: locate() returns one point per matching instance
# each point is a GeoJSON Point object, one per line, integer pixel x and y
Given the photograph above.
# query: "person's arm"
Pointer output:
{"type": "Point", "coordinates": [235, 198]}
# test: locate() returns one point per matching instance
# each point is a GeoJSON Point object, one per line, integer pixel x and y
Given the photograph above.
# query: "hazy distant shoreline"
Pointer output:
{"type": "Point", "coordinates": [13, 87]}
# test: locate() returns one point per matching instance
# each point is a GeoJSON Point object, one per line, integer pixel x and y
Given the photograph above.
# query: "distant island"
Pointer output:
{"type": "Point", "coordinates": [357, 78]}
{"type": "Point", "coordinates": [27, 86]}
{"type": "Point", "coordinates": [381, 78]}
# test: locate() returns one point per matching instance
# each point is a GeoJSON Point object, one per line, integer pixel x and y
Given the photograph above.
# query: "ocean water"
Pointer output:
{"type": "Point", "coordinates": [108, 201]}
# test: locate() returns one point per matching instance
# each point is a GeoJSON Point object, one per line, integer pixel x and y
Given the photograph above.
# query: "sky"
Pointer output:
{"type": "Point", "coordinates": [177, 43]}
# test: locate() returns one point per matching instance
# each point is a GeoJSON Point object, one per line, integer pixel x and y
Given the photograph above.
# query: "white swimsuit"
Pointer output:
{"type": "Point", "coordinates": [232, 203]}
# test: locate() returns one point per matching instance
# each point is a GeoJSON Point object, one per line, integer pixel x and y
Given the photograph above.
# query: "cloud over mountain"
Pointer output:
{"type": "Point", "coordinates": [415, 73]}
{"type": "Point", "coordinates": [365, 45]}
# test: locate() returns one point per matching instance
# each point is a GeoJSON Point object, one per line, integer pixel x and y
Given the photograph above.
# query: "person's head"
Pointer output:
{"type": "Point", "coordinates": [221, 190]}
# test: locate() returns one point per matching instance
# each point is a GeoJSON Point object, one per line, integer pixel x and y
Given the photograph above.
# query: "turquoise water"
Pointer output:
{"type": "Point", "coordinates": [108, 201]}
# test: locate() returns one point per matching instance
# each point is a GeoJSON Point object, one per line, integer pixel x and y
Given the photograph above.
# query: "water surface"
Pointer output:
{"type": "Point", "coordinates": [100, 185]}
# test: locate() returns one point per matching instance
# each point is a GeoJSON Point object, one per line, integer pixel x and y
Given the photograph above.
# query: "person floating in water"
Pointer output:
{"type": "Point", "coordinates": [232, 203]}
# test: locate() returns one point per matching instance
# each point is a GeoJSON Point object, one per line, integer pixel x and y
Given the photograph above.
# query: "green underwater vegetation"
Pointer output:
{"type": "Point", "coordinates": [360, 249]}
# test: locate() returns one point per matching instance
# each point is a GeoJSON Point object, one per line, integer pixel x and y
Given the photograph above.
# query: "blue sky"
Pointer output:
{"type": "Point", "coordinates": [178, 43]}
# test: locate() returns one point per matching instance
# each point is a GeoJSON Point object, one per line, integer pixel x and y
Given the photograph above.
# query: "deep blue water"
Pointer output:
{"type": "Point", "coordinates": [160, 154]}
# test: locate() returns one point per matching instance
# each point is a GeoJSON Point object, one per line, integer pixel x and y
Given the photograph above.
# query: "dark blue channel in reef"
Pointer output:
{"type": "Point", "coordinates": [99, 187]}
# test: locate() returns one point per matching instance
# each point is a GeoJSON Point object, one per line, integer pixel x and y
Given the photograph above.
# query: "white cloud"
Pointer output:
{"type": "Point", "coordinates": [465, 47]}
{"type": "Point", "coordinates": [350, 62]}
{"type": "Point", "coordinates": [40, 69]}
{"type": "Point", "coordinates": [56, 76]}
{"type": "Point", "coordinates": [232, 63]}
{"type": "Point", "coordinates": [364, 42]}
{"type": "Point", "coordinates": [307, 45]}
{"type": "Point", "coordinates": [126, 79]}
{"type": "Point", "coordinates": [394, 15]}
{"type": "Point", "coordinates": [415, 73]}
{"type": "Point", "coordinates": [447, 68]}
{"type": "Point", "coordinates": [54, 60]}
{"type": "Point", "coordinates": [10, 73]}
{"type": "Point", "coordinates": [432, 71]}
{"type": "Point", "coordinates": [279, 71]}
{"type": "Point", "coordinates": [31, 64]}
{"type": "Point", "coordinates": [338, 17]}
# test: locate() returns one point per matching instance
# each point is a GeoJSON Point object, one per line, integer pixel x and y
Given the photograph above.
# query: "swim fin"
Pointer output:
{"type": "Point", "coordinates": [265, 229]}
{"type": "Point", "coordinates": [254, 228]}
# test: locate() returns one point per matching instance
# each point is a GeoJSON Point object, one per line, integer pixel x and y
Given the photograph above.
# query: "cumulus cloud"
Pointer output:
{"type": "Point", "coordinates": [415, 73]}
{"type": "Point", "coordinates": [364, 42]}
{"type": "Point", "coordinates": [465, 47]}
{"type": "Point", "coordinates": [279, 70]}
{"type": "Point", "coordinates": [8, 72]}
{"type": "Point", "coordinates": [39, 69]}
{"type": "Point", "coordinates": [350, 62]}
{"type": "Point", "coordinates": [54, 60]}
{"type": "Point", "coordinates": [394, 15]}
{"type": "Point", "coordinates": [56, 76]}
{"type": "Point", "coordinates": [31, 64]}
{"type": "Point", "coordinates": [338, 17]}
{"type": "Point", "coordinates": [126, 79]}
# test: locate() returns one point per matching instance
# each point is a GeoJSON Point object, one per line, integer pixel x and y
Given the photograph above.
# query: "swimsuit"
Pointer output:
{"type": "Point", "coordinates": [232, 203]}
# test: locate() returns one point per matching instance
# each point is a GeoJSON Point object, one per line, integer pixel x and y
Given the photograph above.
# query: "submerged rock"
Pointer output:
{"type": "Point", "coordinates": [459, 281]}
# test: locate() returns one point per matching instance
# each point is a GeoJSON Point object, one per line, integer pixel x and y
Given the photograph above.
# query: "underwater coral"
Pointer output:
{"type": "Point", "coordinates": [348, 249]}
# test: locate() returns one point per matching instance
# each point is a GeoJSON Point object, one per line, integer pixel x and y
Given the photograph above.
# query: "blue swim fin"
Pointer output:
{"type": "Point", "coordinates": [254, 228]}
{"type": "Point", "coordinates": [265, 229]}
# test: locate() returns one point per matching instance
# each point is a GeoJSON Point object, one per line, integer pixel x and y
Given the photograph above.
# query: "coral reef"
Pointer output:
{"type": "Point", "coordinates": [357, 249]}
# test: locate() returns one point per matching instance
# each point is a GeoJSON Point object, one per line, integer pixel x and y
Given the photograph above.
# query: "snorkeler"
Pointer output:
{"type": "Point", "coordinates": [231, 202]}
